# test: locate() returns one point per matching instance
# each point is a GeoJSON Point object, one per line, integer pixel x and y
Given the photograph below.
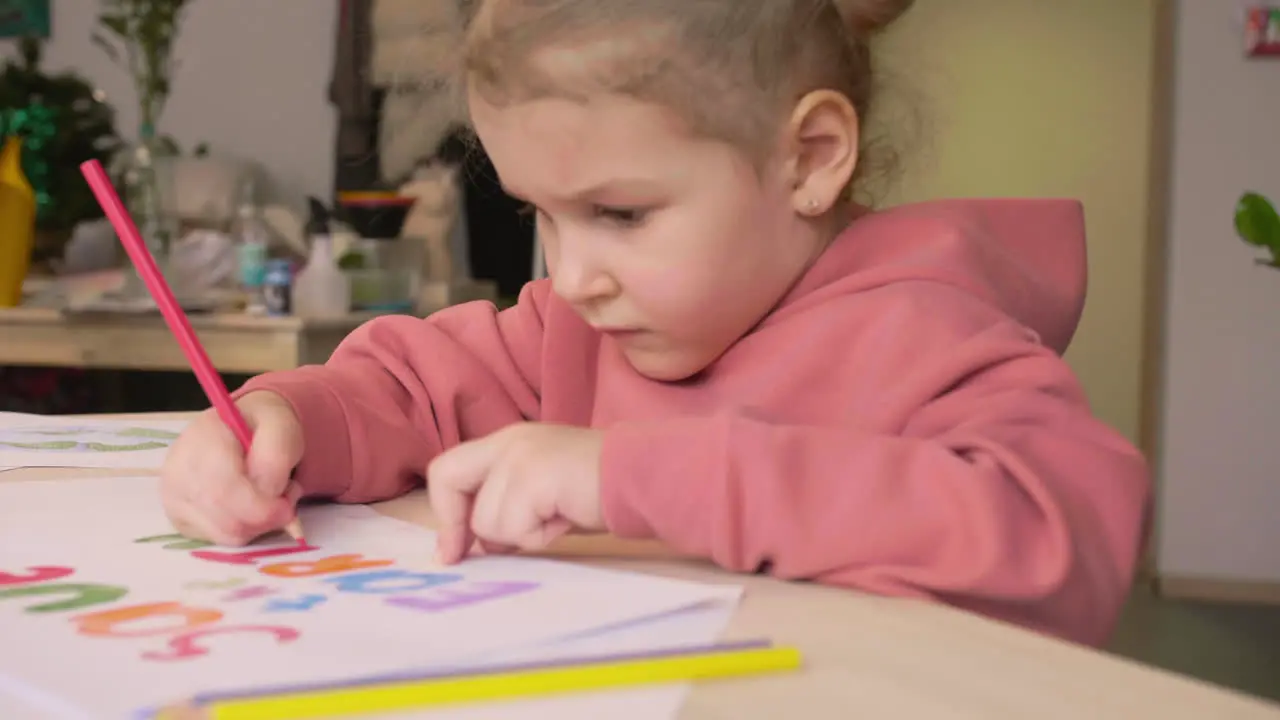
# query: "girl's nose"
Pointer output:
{"type": "Point", "coordinates": [579, 281]}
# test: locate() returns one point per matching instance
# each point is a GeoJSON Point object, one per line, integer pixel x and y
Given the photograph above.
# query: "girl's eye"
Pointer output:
{"type": "Point", "coordinates": [532, 211]}
{"type": "Point", "coordinates": [625, 217]}
{"type": "Point", "coordinates": [620, 216]}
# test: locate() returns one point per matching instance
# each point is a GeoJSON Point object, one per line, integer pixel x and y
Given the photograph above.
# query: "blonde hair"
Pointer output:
{"type": "Point", "coordinates": [731, 69]}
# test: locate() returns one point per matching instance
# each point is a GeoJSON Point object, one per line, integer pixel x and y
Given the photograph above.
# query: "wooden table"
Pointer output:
{"type": "Point", "coordinates": [236, 343]}
{"type": "Point", "coordinates": [871, 657]}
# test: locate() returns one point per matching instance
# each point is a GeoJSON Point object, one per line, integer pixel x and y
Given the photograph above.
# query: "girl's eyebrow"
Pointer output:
{"type": "Point", "coordinates": [611, 186]}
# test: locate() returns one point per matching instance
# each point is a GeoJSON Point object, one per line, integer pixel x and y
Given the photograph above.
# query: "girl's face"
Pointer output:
{"type": "Point", "coordinates": [672, 246]}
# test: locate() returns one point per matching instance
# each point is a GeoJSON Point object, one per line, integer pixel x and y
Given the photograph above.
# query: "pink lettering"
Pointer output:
{"type": "Point", "coordinates": [186, 645]}
{"type": "Point", "coordinates": [249, 593]}
{"type": "Point", "coordinates": [249, 557]}
{"type": "Point", "coordinates": [34, 575]}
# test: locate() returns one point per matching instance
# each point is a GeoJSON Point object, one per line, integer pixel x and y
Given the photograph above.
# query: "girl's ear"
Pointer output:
{"type": "Point", "coordinates": [822, 141]}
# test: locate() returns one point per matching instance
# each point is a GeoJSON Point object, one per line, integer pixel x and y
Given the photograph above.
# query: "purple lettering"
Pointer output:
{"type": "Point", "coordinates": [451, 598]}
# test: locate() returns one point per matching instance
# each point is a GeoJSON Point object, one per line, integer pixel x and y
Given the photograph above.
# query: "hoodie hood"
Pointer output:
{"type": "Point", "coordinates": [1025, 256]}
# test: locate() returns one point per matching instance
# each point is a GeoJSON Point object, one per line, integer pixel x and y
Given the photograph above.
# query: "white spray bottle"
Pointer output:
{"type": "Point", "coordinates": [321, 289]}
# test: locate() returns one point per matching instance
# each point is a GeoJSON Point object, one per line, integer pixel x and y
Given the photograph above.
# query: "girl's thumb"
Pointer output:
{"type": "Point", "coordinates": [276, 448]}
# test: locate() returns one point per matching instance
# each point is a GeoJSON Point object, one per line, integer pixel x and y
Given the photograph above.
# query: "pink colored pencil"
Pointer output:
{"type": "Point", "coordinates": [174, 317]}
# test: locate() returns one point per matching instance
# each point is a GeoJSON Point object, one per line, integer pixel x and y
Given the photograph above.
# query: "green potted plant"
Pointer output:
{"type": "Point", "coordinates": [1258, 224]}
{"type": "Point", "coordinates": [140, 35]}
{"type": "Point", "coordinates": [63, 122]}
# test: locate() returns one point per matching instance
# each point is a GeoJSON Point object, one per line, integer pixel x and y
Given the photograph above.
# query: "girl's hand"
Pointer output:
{"type": "Point", "coordinates": [212, 491]}
{"type": "Point", "coordinates": [518, 488]}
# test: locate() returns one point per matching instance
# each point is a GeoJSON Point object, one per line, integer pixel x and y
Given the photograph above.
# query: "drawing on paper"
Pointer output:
{"type": "Point", "coordinates": [156, 615]}
{"type": "Point", "coordinates": [51, 589]}
{"type": "Point", "coordinates": [86, 439]}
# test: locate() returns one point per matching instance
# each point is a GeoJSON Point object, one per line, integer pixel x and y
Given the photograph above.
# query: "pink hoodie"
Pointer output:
{"type": "Point", "coordinates": [902, 423]}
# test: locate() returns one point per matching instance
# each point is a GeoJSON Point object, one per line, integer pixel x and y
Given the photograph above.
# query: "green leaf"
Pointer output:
{"type": "Point", "coordinates": [1257, 223]}
{"type": "Point", "coordinates": [106, 46]}
{"type": "Point", "coordinates": [117, 24]}
{"type": "Point", "coordinates": [30, 48]}
{"type": "Point", "coordinates": [351, 260]}
{"type": "Point", "coordinates": [168, 146]}
{"type": "Point", "coordinates": [82, 129]}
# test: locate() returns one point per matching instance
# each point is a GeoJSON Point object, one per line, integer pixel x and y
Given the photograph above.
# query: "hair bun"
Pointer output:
{"type": "Point", "coordinates": [868, 17]}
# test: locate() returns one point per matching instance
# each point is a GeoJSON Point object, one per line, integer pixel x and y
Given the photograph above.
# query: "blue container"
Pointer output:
{"type": "Point", "coordinates": [277, 287]}
{"type": "Point", "coordinates": [252, 258]}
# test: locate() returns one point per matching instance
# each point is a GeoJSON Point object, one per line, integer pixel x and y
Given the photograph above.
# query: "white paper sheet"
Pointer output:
{"type": "Point", "coordinates": [699, 624]}
{"type": "Point", "coordinates": [173, 620]}
{"type": "Point", "coordinates": [55, 441]}
{"type": "Point", "coordinates": [10, 418]}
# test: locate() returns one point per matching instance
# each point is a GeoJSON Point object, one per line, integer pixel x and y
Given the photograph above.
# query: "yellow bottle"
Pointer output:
{"type": "Point", "coordinates": [17, 222]}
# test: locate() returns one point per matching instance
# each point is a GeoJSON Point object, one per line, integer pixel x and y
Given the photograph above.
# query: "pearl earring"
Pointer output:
{"type": "Point", "coordinates": [811, 205]}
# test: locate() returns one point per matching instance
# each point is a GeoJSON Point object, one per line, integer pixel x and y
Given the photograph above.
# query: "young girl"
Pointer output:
{"type": "Point", "coordinates": [730, 355]}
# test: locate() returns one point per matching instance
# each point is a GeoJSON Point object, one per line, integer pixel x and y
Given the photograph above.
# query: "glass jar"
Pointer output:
{"type": "Point", "coordinates": [143, 172]}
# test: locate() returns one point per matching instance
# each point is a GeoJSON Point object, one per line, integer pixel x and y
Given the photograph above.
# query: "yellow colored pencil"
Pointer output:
{"type": "Point", "coordinates": [489, 687]}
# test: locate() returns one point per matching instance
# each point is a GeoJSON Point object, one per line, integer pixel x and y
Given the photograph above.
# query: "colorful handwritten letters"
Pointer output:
{"type": "Point", "coordinates": [86, 439]}
{"type": "Point", "coordinates": [186, 631]}
{"type": "Point", "coordinates": [104, 610]}
{"type": "Point", "coordinates": [30, 441]}
{"type": "Point", "coordinates": [35, 574]}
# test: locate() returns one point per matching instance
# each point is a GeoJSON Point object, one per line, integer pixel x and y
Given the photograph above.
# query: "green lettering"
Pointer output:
{"type": "Point", "coordinates": [107, 447]}
{"type": "Point", "coordinates": [175, 541]}
{"type": "Point", "coordinates": [149, 433]}
{"type": "Point", "coordinates": [45, 445]}
{"type": "Point", "coordinates": [82, 595]}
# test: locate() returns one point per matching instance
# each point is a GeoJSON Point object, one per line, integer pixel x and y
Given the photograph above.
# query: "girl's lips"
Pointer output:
{"type": "Point", "coordinates": [620, 333]}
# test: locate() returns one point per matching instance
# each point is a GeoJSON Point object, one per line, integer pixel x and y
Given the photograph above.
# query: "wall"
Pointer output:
{"type": "Point", "coordinates": [1221, 491]}
{"type": "Point", "coordinates": [1020, 97]}
{"type": "Point", "coordinates": [1034, 98]}
{"type": "Point", "coordinates": [252, 80]}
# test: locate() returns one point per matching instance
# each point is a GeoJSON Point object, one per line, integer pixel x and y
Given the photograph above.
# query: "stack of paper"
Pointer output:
{"type": "Point", "coordinates": [104, 611]}
{"type": "Point", "coordinates": [58, 441]}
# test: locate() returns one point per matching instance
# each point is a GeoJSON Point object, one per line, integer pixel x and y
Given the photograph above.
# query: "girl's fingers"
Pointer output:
{"type": "Point", "coordinates": [486, 514]}
{"type": "Point", "coordinates": [486, 547]}
{"type": "Point", "coordinates": [252, 511]}
{"type": "Point", "coordinates": [454, 478]}
{"type": "Point", "coordinates": [276, 449]}
{"type": "Point", "coordinates": [207, 523]}
{"type": "Point", "coordinates": [543, 534]}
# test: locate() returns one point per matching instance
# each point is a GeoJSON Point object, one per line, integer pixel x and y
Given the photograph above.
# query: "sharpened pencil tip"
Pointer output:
{"type": "Point", "coordinates": [294, 530]}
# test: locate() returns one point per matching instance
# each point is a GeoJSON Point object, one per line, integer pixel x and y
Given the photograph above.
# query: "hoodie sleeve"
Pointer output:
{"type": "Point", "coordinates": [1001, 494]}
{"type": "Point", "coordinates": [399, 390]}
